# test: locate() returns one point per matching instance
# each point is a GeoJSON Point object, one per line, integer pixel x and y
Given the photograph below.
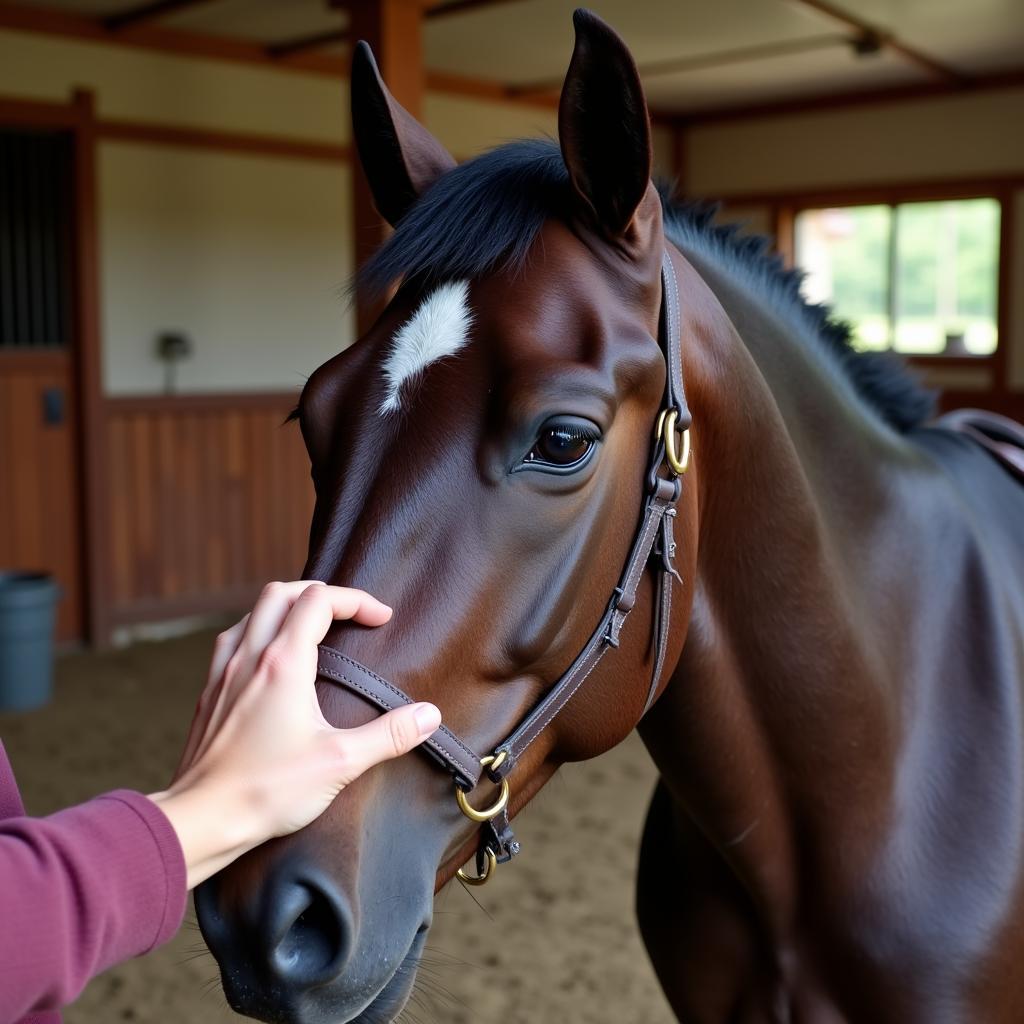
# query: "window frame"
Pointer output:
{"type": "Point", "coordinates": [784, 210]}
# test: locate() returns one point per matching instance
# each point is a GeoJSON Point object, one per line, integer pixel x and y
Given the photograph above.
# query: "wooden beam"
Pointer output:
{"type": "Point", "coordinates": [461, 6]}
{"type": "Point", "coordinates": [147, 12]}
{"type": "Point", "coordinates": [699, 62]}
{"type": "Point", "coordinates": [394, 29]}
{"type": "Point", "coordinates": [936, 69]}
{"type": "Point", "coordinates": [302, 44]}
{"type": "Point", "coordinates": [186, 137]}
{"type": "Point", "coordinates": [868, 194]}
{"type": "Point", "coordinates": [1013, 79]}
{"type": "Point", "coordinates": [316, 40]}
{"type": "Point", "coordinates": [159, 39]}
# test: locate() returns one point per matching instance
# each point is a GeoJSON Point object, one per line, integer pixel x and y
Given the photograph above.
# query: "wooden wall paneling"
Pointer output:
{"type": "Point", "coordinates": [210, 498]}
{"type": "Point", "coordinates": [170, 540]}
{"type": "Point", "coordinates": [214, 520]}
{"type": "Point", "coordinates": [142, 505]}
{"type": "Point", "coordinates": [121, 542]}
{"type": "Point", "coordinates": [191, 553]}
{"type": "Point", "coordinates": [235, 511]}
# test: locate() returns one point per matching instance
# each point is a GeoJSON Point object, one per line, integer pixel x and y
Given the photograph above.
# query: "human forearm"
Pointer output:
{"type": "Point", "coordinates": [81, 890]}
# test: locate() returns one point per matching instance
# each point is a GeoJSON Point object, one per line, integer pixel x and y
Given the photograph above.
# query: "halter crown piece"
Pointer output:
{"type": "Point", "coordinates": [653, 544]}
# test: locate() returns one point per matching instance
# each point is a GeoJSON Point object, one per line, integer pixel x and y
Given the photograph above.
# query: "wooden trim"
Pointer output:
{"type": "Point", "coordinates": [1004, 286]}
{"type": "Point", "coordinates": [147, 12]}
{"type": "Point", "coordinates": [156, 609]}
{"type": "Point", "coordinates": [38, 114]}
{"type": "Point", "coordinates": [940, 362]}
{"type": "Point", "coordinates": [462, 6]}
{"type": "Point", "coordinates": [201, 402]}
{"type": "Point", "coordinates": [1012, 79]}
{"type": "Point", "coordinates": [163, 40]}
{"type": "Point", "coordinates": [717, 59]}
{"type": "Point", "coordinates": [784, 217]}
{"type": "Point", "coordinates": [300, 44]}
{"type": "Point", "coordinates": [88, 355]}
{"type": "Point", "coordinates": [486, 89]}
{"type": "Point", "coordinates": [27, 360]}
{"type": "Point", "coordinates": [866, 194]}
{"type": "Point", "coordinates": [237, 142]}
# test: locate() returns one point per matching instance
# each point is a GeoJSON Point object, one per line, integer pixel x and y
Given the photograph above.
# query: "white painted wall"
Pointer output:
{"type": "Point", "coordinates": [975, 134]}
{"type": "Point", "coordinates": [248, 255]}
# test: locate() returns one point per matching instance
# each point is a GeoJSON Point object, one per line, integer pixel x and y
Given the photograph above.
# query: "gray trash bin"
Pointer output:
{"type": "Point", "coordinates": [28, 605]}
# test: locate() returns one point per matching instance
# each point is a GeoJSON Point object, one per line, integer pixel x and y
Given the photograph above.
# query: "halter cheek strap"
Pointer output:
{"type": "Point", "coordinates": [654, 544]}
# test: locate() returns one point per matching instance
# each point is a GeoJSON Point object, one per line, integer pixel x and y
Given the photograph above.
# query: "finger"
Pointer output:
{"type": "Point", "coordinates": [275, 601]}
{"type": "Point", "coordinates": [224, 647]}
{"type": "Point", "coordinates": [265, 621]}
{"type": "Point", "coordinates": [389, 736]}
{"type": "Point", "coordinates": [310, 617]}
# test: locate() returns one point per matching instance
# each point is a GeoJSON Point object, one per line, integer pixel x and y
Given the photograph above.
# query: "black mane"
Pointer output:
{"type": "Point", "coordinates": [486, 213]}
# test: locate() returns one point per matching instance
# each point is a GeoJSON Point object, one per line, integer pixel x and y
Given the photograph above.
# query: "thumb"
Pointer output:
{"type": "Point", "coordinates": [389, 736]}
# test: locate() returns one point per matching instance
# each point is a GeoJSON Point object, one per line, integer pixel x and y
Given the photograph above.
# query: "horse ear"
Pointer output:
{"type": "Point", "coordinates": [400, 158]}
{"type": "Point", "coordinates": [603, 126]}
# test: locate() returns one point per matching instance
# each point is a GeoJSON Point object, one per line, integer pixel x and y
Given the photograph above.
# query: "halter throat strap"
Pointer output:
{"type": "Point", "coordinates": [654, 542]}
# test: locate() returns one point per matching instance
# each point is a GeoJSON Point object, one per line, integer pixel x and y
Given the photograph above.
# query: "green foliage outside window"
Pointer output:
{"type": "Point", "coordinates": [917, 277]}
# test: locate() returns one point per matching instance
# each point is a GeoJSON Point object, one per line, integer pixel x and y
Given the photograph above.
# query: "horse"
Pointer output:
{"type": "Point", "coordinates": [825, 648]}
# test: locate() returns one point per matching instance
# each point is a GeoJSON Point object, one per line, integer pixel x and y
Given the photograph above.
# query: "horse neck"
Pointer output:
{"type": "Point", "coordinates": [777, 730]}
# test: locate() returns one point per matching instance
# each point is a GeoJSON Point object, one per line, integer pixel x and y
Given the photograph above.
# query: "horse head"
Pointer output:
{"type": "Point", "coordinates": [481, 458]}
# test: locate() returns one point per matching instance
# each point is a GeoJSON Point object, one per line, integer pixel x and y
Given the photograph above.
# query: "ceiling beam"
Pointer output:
{"type": "Point", "coordinates": [317, 40]}
{"type": "Point", "coordinates": [993, 82]}
{"type": "Point", "coordinates": [935, 68]}
{"type": "Point", "coordinates": [62, 24]}
{"type": "Point", "coordinates": [461, 6]}
{"type": "Point", "coordinates": [700, 62]}
{"type": "Point", "coordinates": [302, 44]}
{"type": "Point", "coordinates": [151, 11]}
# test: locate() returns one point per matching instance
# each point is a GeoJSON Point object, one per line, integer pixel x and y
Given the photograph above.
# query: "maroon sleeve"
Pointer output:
{"type": "Point", "coordinates": [80, 891]}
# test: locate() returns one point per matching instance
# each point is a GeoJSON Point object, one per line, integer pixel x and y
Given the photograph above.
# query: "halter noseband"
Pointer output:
{"type": "Point", "coordinates": [654, 537]}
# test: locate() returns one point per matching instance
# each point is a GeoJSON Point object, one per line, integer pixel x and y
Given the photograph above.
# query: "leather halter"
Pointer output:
{"type": "Point", "coordinates": [654, 538]}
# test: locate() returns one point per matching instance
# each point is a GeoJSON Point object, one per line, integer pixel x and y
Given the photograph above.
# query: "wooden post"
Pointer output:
{"type": "Point", "coordinates": [394, 29]}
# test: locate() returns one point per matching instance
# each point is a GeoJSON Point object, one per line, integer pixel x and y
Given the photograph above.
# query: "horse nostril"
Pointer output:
{"type": "Point", "coordinates": [315, 935]}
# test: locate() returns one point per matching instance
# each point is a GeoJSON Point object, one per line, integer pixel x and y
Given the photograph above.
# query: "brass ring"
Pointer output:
{"type": "Point", "coordinates": [496, 808]}
{"type": "Point", "coordinates": [668, 433]}
{"type": "Point", "coordinates": [490, 867]}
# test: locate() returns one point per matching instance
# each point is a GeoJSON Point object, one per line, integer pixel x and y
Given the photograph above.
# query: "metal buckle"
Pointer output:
{"type": "Point", "coordinates": [487, 866]}
{"type": "Point", "coordinates": [487, 859]}
{"type": "Point", "coordinates": [665, 430]}
{"type": "Point", "coordinates": [497, 807]}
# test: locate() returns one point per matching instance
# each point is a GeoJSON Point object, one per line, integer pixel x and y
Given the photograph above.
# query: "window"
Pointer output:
{"type": "Point", "coordinates": [35, 246]}
{"type": "Point", "coordinates": [920, 278]}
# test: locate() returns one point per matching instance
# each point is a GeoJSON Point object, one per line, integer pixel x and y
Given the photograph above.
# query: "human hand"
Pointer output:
{"type": "Point", "coordinates": [260, 759]}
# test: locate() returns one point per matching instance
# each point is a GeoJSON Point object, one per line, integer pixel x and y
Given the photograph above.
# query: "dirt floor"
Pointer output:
{"type": "Point", "coordinates": [568, 949]}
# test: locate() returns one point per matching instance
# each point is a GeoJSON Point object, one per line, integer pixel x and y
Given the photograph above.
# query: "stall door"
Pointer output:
{"type": "Point", "coordinates": [40, 507]}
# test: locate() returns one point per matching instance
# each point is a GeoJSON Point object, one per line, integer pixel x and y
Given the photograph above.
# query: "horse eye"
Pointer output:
{"type": "Point", "coordinates": [562, 445]}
